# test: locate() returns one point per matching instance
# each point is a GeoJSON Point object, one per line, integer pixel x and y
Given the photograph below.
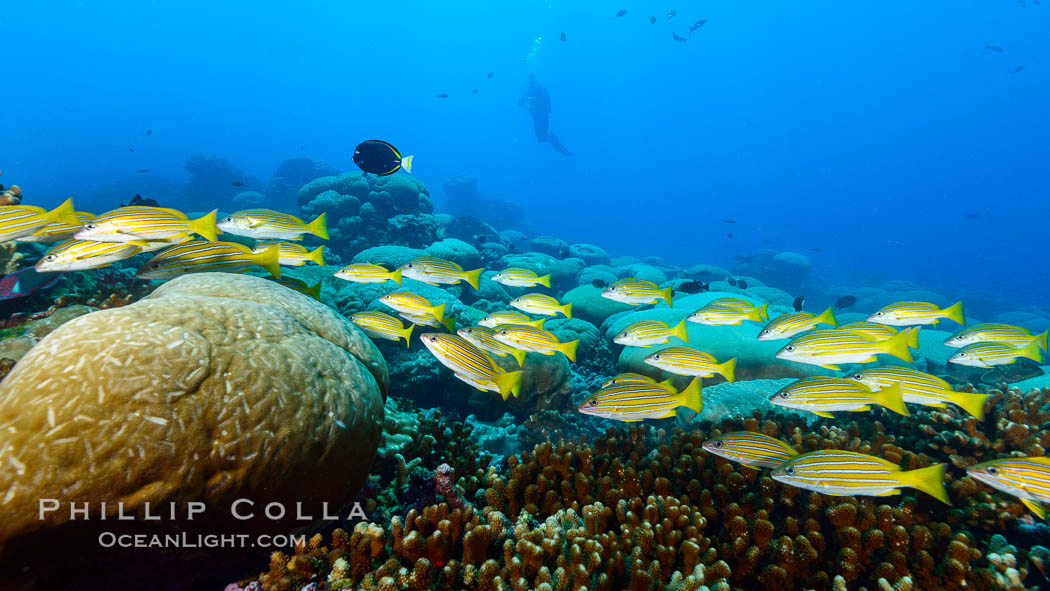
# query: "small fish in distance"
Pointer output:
{"type": "Point", "coordinates": [380, 158]}
{"type": "Point", "coordinates": [798, 303]}
{"type": "Point", "coordinates": [621, 12]}
{"type": "Point", "coordinates": [730, 235]}
{"type": "Point", "coordinates": [138, 200]}
{"type": "Point", "coordinates": [490, 75]}
{"type": "Point", "coordinates": [672, 14]}
{"type": "Point", "coordinates": [475, 91]}
{"type": "Point", "coordinates": [677, 38]}
{"type": "Point", "coordinates": [731, 281]}
{"type": "Point", "coordinates": [845, 302]}
{"type": "Point", "coordinates": [563, 35]}
{"type": "Point", "coordinates": [131, 149]}
{"type": "Point", "coordinates": [691, 287]}
{"type": "Point", "coordinates": [741, 284]}
{"type": "Point", "coordinates": [697, 25]}
{"type": "Point", "coordinates": [652, 20]}
{"type": "Point", "coordinates": [237, 184]}
{"type": "Point", "coordinates": [142, 170]}
{"type": "Point", "coordinates": [1016, 70]}
{"type": "Point", "coordinates": [994, 48]}
{"type": "Point", "coordinates": [149, 132]}
{"type": "Point", "coordinates": [729, 221]}
{"type": "Point", "coordinates": [442, 95]}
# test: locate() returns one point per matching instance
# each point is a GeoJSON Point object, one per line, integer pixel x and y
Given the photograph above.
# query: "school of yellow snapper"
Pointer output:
{"type": "Point", "coordinates": [185, 245]}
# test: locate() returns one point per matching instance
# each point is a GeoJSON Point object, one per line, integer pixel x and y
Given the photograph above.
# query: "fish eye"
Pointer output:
{"type": "Point", "coordinates": [783, 394]}
{"type": "Point", "coordinates": [408, 265]}
{"type": "Point", "coordinates": [657, 356]}
{"type": "Point", "coordinates": [857, 376]}
{"type": "Point", "coordinates": [50, 257]}
{"type": "Point", "coordinates": [89, 226]}
{"type": "Point", "coordinates": [229, 219]}
{"type": "Point", "coordinates": [789, 470]}
{"type": "Point", "coordinates": [155, 266]}
{"type": "Point", "coordinates": [718, 444]}
{"type": "Point", "coordinates": [993, 471]}
{"type": "Point", "coordinates": [789, 348]}
{"type": "Point", "coordinates": [878, 313]}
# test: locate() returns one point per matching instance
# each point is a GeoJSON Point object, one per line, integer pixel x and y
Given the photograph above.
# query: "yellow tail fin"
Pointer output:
{"type": "Point", "coordinates": [518, 356]}
{"type": "Point", "coordinates": [316, 255]}
{"type": "Point", "coordinates": [929, 480]}
{"type": "Point", "coordinates": [891, 398]}
{"type": "Point", "coordinates": [1041, 339]}
{"type": "Point", "coordinates": [897, 345]}
{"type": "Point", "coordinates": [728, 370]}
{"type": "Point", "coordinates": [318, 227]}
{"type": "Point", "coordinates": [64, 213]}
{"type": "Point", "coordinates": [690, 397]}
{"type": "Point", "coordinates": [314, 290]}
{"type": "Point", "coordinates": [508, 383]}
{"type": "Point", "coordinates": [544, 280]}
{"type": "Point", "coordinates": [205, 226]}
{"type": "Point", "coordinates": [971, 403]}
{"type": "Point", "coordinates": [680, 331]}
{"type": "Point", "coordinates": [472, 277]}
{"type": "Point", "coordinates": [536, 323]}
{"type": "Point", "coordinates": [566, 309]}
{"type": "Point", "coordinates": [450, 324]}
{"type": "Point", "coordinates": [407, 333]}
{"type": "Point", "coordinates": [827, 317]}
{"type": "Point", "coordinates": [955, 313]}
{"type": "Point", "coordinates": [438, 312]}
{"type": "Point", "coordinates": [395, 276]}
{"type": "Point", "coordinates": [1032, 351]}
{"type": "Point", "coordinates": [269, 259]}
{"type": "Point", "coordinates": [665, 295]}
{"type": "Point", "coordinates": [913, 336]}
{"type": "Point", "coordinates": [569, 349]}
{"type": "Point", "coordinates": [760, 313]}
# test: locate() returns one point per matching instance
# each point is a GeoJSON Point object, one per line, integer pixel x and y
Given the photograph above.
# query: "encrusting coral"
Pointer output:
{"type": "Point", "coordinates": [643, 508]}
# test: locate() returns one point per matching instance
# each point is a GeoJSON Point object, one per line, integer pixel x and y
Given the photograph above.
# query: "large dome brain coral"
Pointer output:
{"type": "Point", "coordinates": [215, 387]}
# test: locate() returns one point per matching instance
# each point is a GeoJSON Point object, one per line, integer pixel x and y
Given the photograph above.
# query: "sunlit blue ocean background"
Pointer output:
{"type": "Point", "coordinates": [884, 140]}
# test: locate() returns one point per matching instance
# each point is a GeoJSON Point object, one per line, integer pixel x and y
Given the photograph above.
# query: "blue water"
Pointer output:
{"type": "Point", "coordinates": [868, 132]}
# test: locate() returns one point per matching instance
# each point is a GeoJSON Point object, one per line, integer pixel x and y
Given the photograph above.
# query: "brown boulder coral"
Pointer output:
{"type": "Point", "coordinates": [215, 387]}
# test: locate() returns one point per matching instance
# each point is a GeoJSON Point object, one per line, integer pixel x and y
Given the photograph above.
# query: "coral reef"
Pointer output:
{"type": "Point", "coordinates": [212, 180]}
{"type": "Point", "coordinates": [464, 199]}
{"type": "Point", "coordinates": [368, 210]}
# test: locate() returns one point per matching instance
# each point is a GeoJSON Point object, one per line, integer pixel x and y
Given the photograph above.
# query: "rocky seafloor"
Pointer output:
{"type": "Point", "coordinates": [465, 490]}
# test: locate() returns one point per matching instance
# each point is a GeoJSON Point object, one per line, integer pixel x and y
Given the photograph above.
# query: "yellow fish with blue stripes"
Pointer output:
{"type": "Point", "coordinates": [637, 401]}
{"type": "Point", "coordinates": [20, 221]}
{"type": "Point", "coordinates": [789, 325]}
{"type": "Point", "coordinates": [200, 256]}
{"type": "Point", "coordinates": [921, 388]}
{"type": "Point", "coordinates": [379, 325]}
{"type": "Point", "coordinates": [728, 314]}
{"type": "Point", "coordinates": [267, 223]}
{"type": "Point", "coordinates": [536, 340]}
{"type": "Point", "coordinates": [685, 361]}
{"type": "Point", "coordinates": [436, 271]}
{"type": "Point", "coordinates": [823, 395]}
{"type": "Point", "coordinates": [485, 339]}
{"type": "Point", "coordinates": [827, 348]}
{"type": "Point", "coordinates": [846, 473]}
{"type": "Point", "coordinates": [873, 331]}
{"type": "Point", "coordinates": [141, 225]}
{"type": "Point", "coordinates": [80, 255]}
{"type": "Point", "coordinates": [911, 313]}
{"type": "Point", "coordinates": [993, 332]}
{"type": "Point", "coordinates": [636, 292]}
{"type": "Point", "coordinates": [368, 273]}
{"type": "Point", "coordinates": [751, 449]}
{"type": "Point", "coordinates": [413, 304]}
{"type": "Point", "coordinates": [1028, 479]}
{"type": "Point", "coordinates": [646, 333]}
{"type": "Point", "coordinates": [544, 305]}
{"type": "Point", "coordinates": [517, 277]}
{"type": "Point", "coordinates": [471, 365]}
{"type": "Point", "coordinates": [632, 378]}
{"type": "Point", "coordinates": [503, 317]}
{"type": "Point", "coordinates": [993, 354]}
{"type": "Point", "coordinates": [291, 254]}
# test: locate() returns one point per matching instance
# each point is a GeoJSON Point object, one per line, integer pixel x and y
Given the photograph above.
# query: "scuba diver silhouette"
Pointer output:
{"type": "Point", "coordinates": [539, 101]}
